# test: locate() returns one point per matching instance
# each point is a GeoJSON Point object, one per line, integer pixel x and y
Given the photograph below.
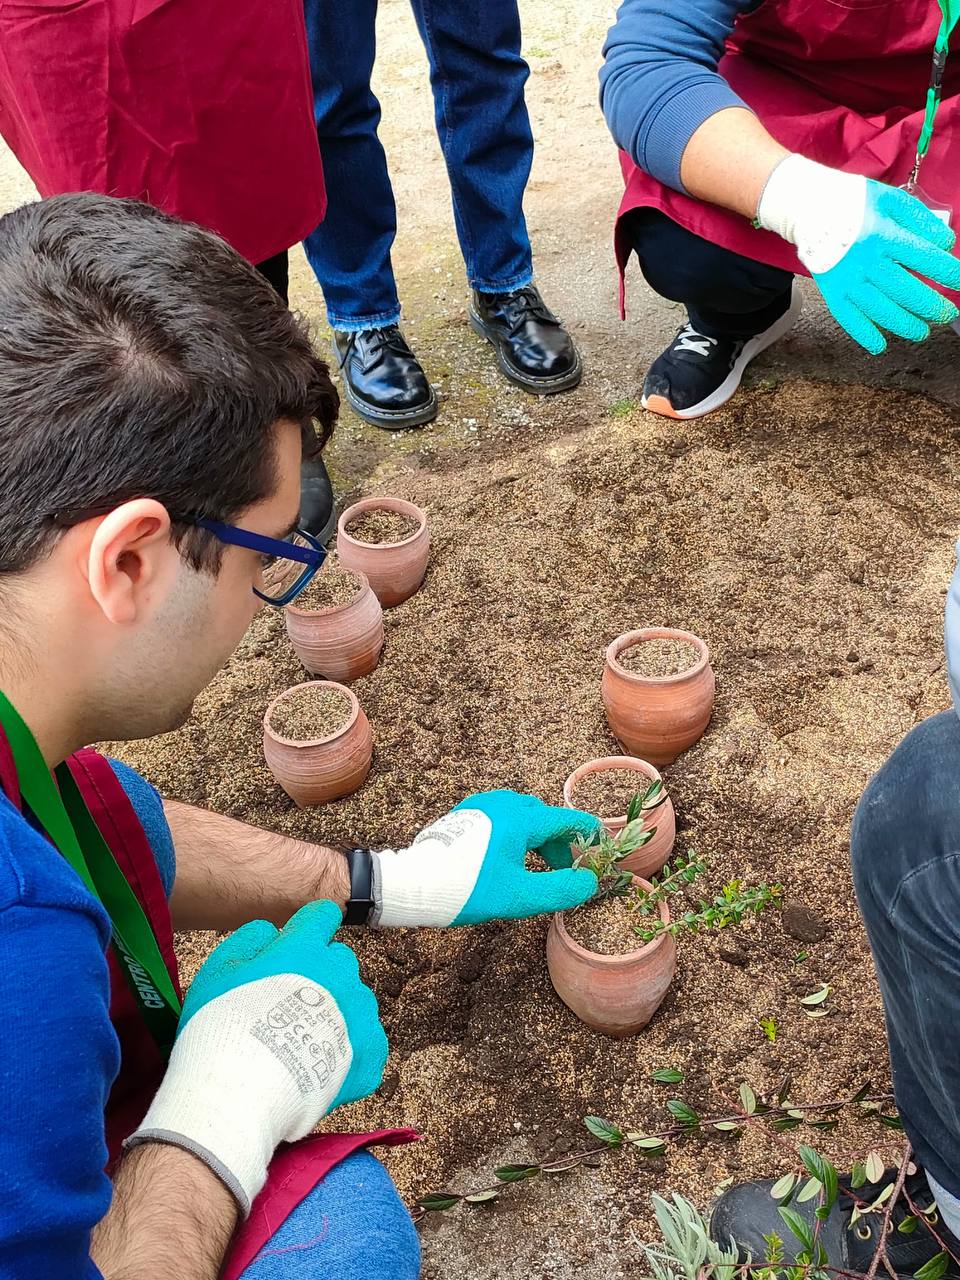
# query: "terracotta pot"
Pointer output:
{"type": "Point", "coordinates": [617, 995]}
{"type": "Point", "coordinates": [322, 769]}
{"type": "Point", "coordinates": [657, 717]}
{"type": "Point", "coordinates": [394, 569]}
{"type": "Point", "coordinates": [649, 859]}
{"type": "Point", "coordinates": [341, 642]}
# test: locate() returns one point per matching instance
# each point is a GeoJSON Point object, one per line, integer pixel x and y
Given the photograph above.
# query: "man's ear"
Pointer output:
{"type": "Point", "coordinates": [127, 553]}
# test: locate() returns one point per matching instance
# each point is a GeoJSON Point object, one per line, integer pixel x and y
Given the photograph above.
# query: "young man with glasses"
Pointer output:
{"type": "Point", "coordinates": [156, 399]}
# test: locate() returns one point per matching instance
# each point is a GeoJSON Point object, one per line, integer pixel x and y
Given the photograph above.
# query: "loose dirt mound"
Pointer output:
{"type": "Point", "coordinates": [808, 539]}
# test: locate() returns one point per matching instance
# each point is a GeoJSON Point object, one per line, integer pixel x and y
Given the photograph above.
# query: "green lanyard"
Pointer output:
{"type": "Point", "coordinates": [951, 16]}
{"type": "Point", "coordinates": [65, 818]}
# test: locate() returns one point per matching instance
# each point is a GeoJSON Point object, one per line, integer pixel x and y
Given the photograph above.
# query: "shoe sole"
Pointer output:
{"type": "Point", "coordinates": [537, 386]}
{"type": "Point", "coordinates": [389, 419]}
{"type": "Point", "coordinates": [729, 386]}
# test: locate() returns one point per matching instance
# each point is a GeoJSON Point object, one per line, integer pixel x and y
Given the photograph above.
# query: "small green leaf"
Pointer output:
{"type": "Point", "coordinates": [685, 1114]}
{"type": "Point", "coordinates": [812, 1187]}
{"type": "Point", "coordinates": [891, 1122]}
{"type": "Point", "coordinates": [799, 1226]}
{"type": "Point", "coordinates": [649, 1146]}
{"type": "Point", "coordinates": [933, 1269]}
{"type": "Point", "coordinates": [783, 1186]}
{"type": "Point", "coordinates": [748, 1099]}
{"type": "Point", "coordinates": [796, 1115]}
{"type": "Point", "coordinates": [816, 1013]}
{"type": "Point", "coordinates": [874, 1167]}
{"type": "Point", "coordinates": [726, 1126]}
{"type": "Point", "coordinates": [516, 1172]}
{"type": "Point", "coordinates": [438, 1201]}
{"type": "Point", "coordinates": [812, 1161]}
{"type": "Point", "coordinates": [858, 1175]}
{"type": "Point", "coordinates": [908, 1225]}
{"type": "Point", "coordinates": [883, 1197]}
{"type": "Point", "coordinates": [667, 1075]}
{"type": "Point", "coordinates": [481, 1197]}
{"type": "Point", "coordinates": [816, 997]}
{"type": "Point", "coordinates": [604, 1130]}
{"type": "Point", "coordinates": [861, 1092]}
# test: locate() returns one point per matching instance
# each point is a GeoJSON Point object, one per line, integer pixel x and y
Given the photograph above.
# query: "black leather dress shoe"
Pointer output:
{"type": "Point", "coordinates": [533, 348]}
{"type": "Point", "coordinates": [316, 500]}
{"type": "Point", "coordinates": [383, 379]}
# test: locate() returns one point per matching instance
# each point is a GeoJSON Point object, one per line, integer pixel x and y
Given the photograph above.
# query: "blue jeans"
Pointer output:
{"type": "Point", "coordinates": [477, 76]}
{"type": "Point", "coordinates": [352, 1226]}
{"type": "Point", "coordinates": [905, 849]}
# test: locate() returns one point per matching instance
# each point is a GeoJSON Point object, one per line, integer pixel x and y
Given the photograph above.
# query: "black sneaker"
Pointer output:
{"type": "Point", "coordinates": [697, 373]}
{"type": "Point", "coordinates": [533, 348]}
{"type": "Point", "coordinates": [317, 515]}
{"type": "Point", "coordinates": [747, 1213]}
{"type": "Point", "coordinates": [383, 380]}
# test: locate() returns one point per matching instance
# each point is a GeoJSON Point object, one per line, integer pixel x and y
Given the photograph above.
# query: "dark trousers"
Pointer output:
{"type": "Point", "coordinates": [905, 850]}
{"type": "Point", "coordinates": [726, 295]}
{"type": "Point", "coordinates": [276, 271]}
{"type": "Point", "coordinates": [477, 76]}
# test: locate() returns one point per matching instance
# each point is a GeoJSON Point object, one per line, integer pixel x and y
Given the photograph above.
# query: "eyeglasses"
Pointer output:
{"type": "Point", "coordinates": [289, 563]}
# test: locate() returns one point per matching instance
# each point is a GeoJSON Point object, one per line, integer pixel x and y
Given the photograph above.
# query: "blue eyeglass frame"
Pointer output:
{"type": "Point", "coordinates": [311, 557]}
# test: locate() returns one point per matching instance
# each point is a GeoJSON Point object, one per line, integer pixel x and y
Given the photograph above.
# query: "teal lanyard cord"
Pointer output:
{"type": "Point", "coordinates": [67, 821]}
{"type": "Point", "coordinates": [951, 15]}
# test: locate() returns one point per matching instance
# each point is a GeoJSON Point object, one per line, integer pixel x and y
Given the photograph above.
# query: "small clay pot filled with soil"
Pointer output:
{"type": "Point", "coordinates": [317, 742]}
{"type": "Point", "coordinates": [603, 971]}
{"type": "Point", "coordinates": [388, 540]}
{"type": "Point", "coordinates": [606, 787]}
{"type": "Point", "coordinates": [336, 625]}
{"type": "Point", "coordinates": [658, 690]}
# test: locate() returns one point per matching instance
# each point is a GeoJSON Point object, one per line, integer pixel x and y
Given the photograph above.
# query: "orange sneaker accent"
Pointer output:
{"type": "Point", "coordinates": [661, 405]}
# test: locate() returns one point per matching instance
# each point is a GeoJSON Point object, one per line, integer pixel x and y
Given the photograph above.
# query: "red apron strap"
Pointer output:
{"type": "Point", "coordinates": [294, 1172]}
{"type": "Point", "coordinates": [8, 773]}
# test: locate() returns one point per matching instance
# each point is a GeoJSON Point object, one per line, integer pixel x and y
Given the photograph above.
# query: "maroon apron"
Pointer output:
{"type": "Point", "coordinates": [201, 107]}
{"type": "Point", "coordinates": [843, 82]}
{"type": "Point", "coordinates": [296, 1168]}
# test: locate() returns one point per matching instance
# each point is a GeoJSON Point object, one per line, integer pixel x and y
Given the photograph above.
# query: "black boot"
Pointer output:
{"type": "Point", "coordinates": [533, 348]}
{"type": "Point", "coordinates": [316, 500]}
{"type": "Point", "coordinates": [383, 379]}
{"type": "Point", "coordinates": [747, 1213]}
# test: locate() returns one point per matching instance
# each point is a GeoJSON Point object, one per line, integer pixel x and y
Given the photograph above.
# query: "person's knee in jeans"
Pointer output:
{"type": "Point", "coordinates": [352, 1226]}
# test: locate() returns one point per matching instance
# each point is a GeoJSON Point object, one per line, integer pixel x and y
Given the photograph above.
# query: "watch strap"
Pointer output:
{"type": "Point", "coordinates": [361, 902]}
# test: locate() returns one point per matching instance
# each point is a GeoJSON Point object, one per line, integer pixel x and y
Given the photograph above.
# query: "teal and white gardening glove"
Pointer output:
{"type": "Point", "coordinates": [277, 1029]}
{"type": "Point", "coordinates": [865, 244]}
{"type": "Point", "coordinates": [470, 866]}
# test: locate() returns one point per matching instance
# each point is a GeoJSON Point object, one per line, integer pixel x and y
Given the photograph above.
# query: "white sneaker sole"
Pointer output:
{"type": "Point", "coordinates": [730, 384]}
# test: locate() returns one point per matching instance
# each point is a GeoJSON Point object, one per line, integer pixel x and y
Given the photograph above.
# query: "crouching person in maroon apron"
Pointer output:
{"type": "Point", "coordinates": [298, 1225]}
{"type": "Point", "coordinates": [760, 140]}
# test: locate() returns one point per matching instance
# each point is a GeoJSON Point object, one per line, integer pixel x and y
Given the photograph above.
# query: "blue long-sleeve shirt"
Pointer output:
{"type": "Point", "coordinates": [659, 80]}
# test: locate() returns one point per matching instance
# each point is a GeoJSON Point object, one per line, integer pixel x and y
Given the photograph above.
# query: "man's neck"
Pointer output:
{"type": "Point", "coordinates": [46, 709]}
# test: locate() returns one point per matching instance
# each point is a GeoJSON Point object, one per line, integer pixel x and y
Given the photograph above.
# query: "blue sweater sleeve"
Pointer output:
{"type": "Point", "coordinates": [149, 809]}
{"type": "Point", "coordinates": [659, 80]}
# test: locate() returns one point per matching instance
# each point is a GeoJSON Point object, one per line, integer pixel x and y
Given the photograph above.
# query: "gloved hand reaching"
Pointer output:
{"type": "Point", "coordinates": [470, 865]}
{"type": "Point", "coordinates": [277, 1029]}
{"type": "Point", "coordinates": [862, 241]}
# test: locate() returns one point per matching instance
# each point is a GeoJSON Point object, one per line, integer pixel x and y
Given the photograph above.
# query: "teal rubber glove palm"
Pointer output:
{"type": "Point", "coordinates": [866, 245]}
{"type": "Point", "coordinates": [470, 866]}
{"type": "Point", "coordinates": [277, 1029]}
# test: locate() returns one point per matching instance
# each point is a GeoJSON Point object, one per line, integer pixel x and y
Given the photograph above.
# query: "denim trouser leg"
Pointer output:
{"type": "Point", "coordinates": [350, 250]}
{"type": "Point", "coordinates": [905, 850]}
{"type": "Point", "coordinates": [477, 76]}
{"type": "Point", "coordinates": [352, 1226]}
{"type": "Point", "coordinates": [726, 295]}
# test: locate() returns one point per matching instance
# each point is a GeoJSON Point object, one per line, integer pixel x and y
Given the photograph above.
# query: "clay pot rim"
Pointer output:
{"type": "Point", "coordinates": [312, 742]}
{"type": "Point", "coordinates": [622, 958]}
{"type": "Point", "coordinates": [382, 504]}
{"type": "Point", "coordinates": [630, 638]}
{"type": "Point", "coordinates": [301, 612]}
{"type": "Point", "coordinates": [608, 764]}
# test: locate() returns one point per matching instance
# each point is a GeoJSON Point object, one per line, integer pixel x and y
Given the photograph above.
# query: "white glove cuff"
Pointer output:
{"type": "Point", "coordinates": [430, 883]}
{"type": "Point", "coordinates": [818, 209]}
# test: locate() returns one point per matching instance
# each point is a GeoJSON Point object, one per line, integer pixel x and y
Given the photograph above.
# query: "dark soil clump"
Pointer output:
{"type": "Point", "coordinates": [606, 927]}
{"type": "Point", "coordinates": [658, 658]}
{"type": "Point", "coordinates": [608, 794]}
{"type": "Point", "coordinates": [331, 587]}
{"type": "Point", "coordinates": [316, 711]}
{"type": "Point", "coordinates": [379, 527]}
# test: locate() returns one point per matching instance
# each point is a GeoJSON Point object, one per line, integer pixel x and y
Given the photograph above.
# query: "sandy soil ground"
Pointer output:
{"type": "Point", "coordinates": [805, 533]}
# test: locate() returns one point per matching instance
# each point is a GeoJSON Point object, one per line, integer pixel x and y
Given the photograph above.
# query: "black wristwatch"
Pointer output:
{"type": "Point", "coordinates": [361, 902]}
